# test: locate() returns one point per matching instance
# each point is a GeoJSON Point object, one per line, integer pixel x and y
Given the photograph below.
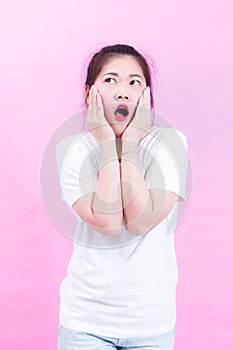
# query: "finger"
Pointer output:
{"type": "Point", "coordinates": [91, 96]}
{"type": "Point", "coordinates": [99, 100]}
{"type": "Point", "coordinates": [100, 108]}
{"type": "Point", "coordinates": [92, 108]}
{"type": "Point", "coordinates": [148, 98]}
{"type": "Point", "coordinates": [136, 120]}
{"type": "Point", "coordinates": [145, 107]}
{"type": "Point", "coordinates": [140, 103]}
{"type": "Point", "coordinates": [100, 111]}
{"type": "Point", "coordinates": [148, 107]}
{"type": "Point", "coordinates": [94, 103]}
{"type": "Point", "coordinates": [145, 95]}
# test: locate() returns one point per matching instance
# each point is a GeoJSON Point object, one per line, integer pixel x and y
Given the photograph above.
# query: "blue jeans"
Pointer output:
{"type": "Point", "coordinates": [69, 339]}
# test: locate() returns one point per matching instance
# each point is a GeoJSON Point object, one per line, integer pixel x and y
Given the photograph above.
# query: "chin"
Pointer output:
{"type": "Point", "coordinates": [119, 129]}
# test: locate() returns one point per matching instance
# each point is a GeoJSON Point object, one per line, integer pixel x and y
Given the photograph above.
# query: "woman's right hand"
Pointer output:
{"type": "Point", "coordinates": [96, 120]}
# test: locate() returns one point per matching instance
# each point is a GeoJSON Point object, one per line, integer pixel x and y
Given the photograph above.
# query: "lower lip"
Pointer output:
{"type": "Point", "coordinates": [120, 118]}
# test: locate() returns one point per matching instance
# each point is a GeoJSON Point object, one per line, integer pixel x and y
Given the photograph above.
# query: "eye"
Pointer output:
{"type": "Point", "coordinates": [135, 82]}
{"type": "Point", "coordinates": [110, 80]}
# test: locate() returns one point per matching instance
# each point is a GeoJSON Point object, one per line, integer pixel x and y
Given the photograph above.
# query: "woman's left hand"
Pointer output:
{"type": "Point", "coordinates": [142, 120]}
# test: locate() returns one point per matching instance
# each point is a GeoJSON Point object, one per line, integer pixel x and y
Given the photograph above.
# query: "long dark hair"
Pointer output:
{"type": "Point", "coordinates": [100, 58]}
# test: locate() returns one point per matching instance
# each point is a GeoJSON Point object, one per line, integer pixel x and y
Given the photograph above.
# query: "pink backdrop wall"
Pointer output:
{"type": "Point", "coordinates": [43, 48]}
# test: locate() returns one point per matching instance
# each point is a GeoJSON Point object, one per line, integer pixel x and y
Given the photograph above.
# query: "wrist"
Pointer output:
{"type": "Point", "coordinates": [108, 138]}
{"type": "Point", "coordinates": [108, 151]}
{"type": "Point", "coordinates": [130, 155]}
{"type": "Point", "coordinates": [129, 145]}
{"type": "Point", "coordinates": [130, 139]}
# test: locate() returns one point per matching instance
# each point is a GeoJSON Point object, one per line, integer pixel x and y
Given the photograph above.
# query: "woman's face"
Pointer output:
{"type": "Point", "coordinates": [120, 84]}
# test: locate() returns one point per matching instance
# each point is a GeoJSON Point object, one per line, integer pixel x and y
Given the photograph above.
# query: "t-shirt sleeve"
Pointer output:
{"type": "Point", "coordinates": [77, 169]}
{"type": "Point", "coordinates": [168, 165]}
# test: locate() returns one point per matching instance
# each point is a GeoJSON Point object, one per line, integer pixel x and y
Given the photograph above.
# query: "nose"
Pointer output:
{"type": "Point", "coordinates": [122, 95]}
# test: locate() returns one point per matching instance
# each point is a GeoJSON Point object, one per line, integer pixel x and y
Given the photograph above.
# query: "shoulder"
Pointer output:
{"type": "Point", "coordinates": [161, 135]}
{"type": "Point", "coordinates": [83, 141]}
{"type": "Point", "coordinates": [160, 132]}
{"type": "Point", "coordinates": [72, 150]}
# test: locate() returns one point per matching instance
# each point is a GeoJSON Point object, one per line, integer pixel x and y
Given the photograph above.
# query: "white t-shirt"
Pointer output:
{"type": "Point", "coordinates": [122, 286]}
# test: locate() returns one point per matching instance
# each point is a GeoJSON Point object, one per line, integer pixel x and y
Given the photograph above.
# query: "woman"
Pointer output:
{"type": "Point", "coordinates": [123, 179]}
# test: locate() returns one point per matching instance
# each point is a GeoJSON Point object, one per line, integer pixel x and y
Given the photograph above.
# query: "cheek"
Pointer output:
{"type": "Point", "coordinates": [138, 92]}
{"type": "Point", "coordinates": [104, 98]}
{"type": "Point", "coordinates": [137, 96]}
{"type": "Point", "coordinates": [105, 95]}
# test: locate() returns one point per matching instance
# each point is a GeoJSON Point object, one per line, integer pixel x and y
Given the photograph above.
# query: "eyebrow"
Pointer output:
{"type": "Point", "coordinates": [131, 75]}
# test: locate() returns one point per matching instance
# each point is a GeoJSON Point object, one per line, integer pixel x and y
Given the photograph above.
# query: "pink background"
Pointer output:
{"type": "Point", "coordinates": [44, 46]}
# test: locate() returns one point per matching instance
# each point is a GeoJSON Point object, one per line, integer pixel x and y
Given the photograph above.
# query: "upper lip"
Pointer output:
{"type": "Point", "coordinates": [122, 106]}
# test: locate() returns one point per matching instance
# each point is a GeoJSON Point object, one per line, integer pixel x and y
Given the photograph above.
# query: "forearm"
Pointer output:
{"type": "Point", "coordinates": [107, 201]}
{"type": "Point", "coordinates": [137, 203]}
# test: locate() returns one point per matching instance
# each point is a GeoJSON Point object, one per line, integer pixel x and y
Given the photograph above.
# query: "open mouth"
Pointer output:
{"type": "Point", "coordinates": [121, 112]}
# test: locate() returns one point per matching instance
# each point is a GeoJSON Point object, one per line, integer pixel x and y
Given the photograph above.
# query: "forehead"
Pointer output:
{"type": "Point", "coordinates": [123, 65]}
